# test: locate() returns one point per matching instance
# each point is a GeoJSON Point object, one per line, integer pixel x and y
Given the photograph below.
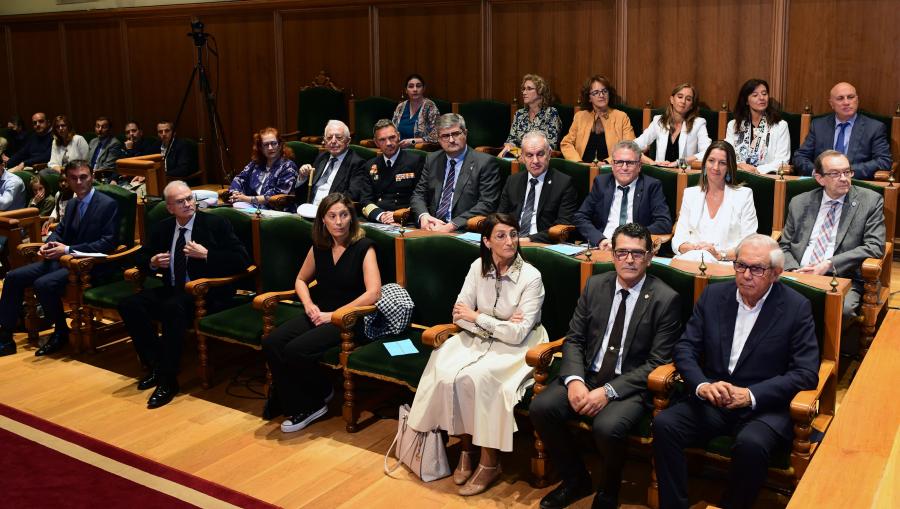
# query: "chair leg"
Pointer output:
{"type": "Point", "coordinates": [349, 409]}
{"type": "Point", "coordinates": [539, 462]}
{"type": "Point", "coordinates": [32, 320]}
{"type": "Point", "coordinates": [800, 448]}
{"type": "Point", "coordinates": [205, 371]}
{"type": "Point", "coordinates": [653, 488]}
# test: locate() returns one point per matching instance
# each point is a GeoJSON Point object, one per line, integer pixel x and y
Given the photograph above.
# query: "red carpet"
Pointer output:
{"type": "Point", "coordinates": [35, 475]}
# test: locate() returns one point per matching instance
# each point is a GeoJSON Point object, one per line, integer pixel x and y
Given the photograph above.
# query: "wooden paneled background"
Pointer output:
{"type": "Point", "coordinates": [135, 63]}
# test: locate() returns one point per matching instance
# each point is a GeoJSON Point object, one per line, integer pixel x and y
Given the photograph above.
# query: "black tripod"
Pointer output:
{"type": "Point", "coordinates": [216, 135]}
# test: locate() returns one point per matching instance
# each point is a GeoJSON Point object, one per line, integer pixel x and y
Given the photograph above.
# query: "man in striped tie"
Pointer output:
{"type": "Point", "coordinates": [831, 230]}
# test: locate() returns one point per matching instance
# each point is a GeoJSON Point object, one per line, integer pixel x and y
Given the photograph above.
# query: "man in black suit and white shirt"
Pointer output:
{"type": "Point", "coordinates": [337, 170]}
{"type": "Point", "coordinates": [394, 174]}
{"type": "Point", "coordinates": [457, 183]}
{"type": "Point", "coordinates": [540, 197]}
{"type": "Point", "coordinates": [624, 326]}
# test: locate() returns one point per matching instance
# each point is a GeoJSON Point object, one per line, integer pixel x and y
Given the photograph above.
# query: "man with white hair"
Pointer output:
{"type": "Point", "coordinates": [337, 170]}
{"type": "Point", "coordinates": [748, 349]}
{"type": "Point", "coordinates": [184, 247]}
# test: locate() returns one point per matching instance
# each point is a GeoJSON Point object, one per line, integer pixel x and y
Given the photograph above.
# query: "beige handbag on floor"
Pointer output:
{"type": "Point", "coordinates": [422, 452]}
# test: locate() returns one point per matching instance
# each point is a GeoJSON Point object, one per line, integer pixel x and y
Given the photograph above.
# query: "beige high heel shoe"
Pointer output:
{"type": "Point", "coordinates": [464, 469]}
{"type": "Point", "coordinates": [481, 480]}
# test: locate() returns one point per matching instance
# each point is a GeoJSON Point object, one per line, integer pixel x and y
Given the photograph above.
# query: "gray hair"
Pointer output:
{"type": "Point", "coordinates": [536, 135]}
{"type": "Point", "coordinates": [173, 186]}
{"type": "Point", "coordinates": [628, 145]}
{"type": "Point", "coordinates": [381, 124]}
{"type": "Point", "coordinates": [776, 255]}
{"type": "Point", "coordinates": [338, 124]}
{"type": "Point", "coordinates": [448, 120]}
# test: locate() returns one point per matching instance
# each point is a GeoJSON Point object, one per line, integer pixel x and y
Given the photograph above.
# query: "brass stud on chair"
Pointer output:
{"type": "Point", "coordinates": [587, 254]}
{"type": "Point", "coordinates": [702, 266]}
{"type": "Point", "coordinates": [402, 231]}
{"type": "Point", "coordinates": [891, 180]}
{"type": "Point", "coordinates": [833, 283]}
{"type": "Point", "coordinates": [781, 171]}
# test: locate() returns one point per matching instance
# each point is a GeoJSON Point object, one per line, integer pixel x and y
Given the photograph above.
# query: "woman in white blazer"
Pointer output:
{"type": "Point", "coordinates": [680, 134]}
{"type": "Point", "coordinates": [716, 215]}
{"type": "Point", "coordinates": [760, 138]}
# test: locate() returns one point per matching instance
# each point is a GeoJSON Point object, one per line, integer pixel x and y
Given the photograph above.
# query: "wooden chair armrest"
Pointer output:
{"type": "Point", "coordinates": [561, 232]}
{"type": "Point", "coordinates": [345, 317]}
{"type": "Point", "coordinates": [776, 235]}
{"type": "Point", "coordinates": [38, 166]}
{"type": "Point", "coordinates": [474, 223]}
{"type": "Point", "coordinates": [312, 140]}
{"type": "Point", "coordinates": [882, 175]}
{"type": "Point", "coordinates": [368, 143]}
{"type": "Point", "coordinates": [135, 274]}
{"type": "Point", "coordinates": [871, 269]}
{"type": "Point", "coordinates": [280, 201]}
{"type": "Point", "coordinates": [541, 355]}
{"type": "Point", "coordinates": [436, 335]}
{"type": "Point", "coordinates": [19, 213]}
{"type": "Point", "coordinates": [199, 287]}
{"type": "Point", "coordinates": [662, 379]}
{"type": "Point", "coordinates": [292, 134]}
{"type": "Point", "coordinates": [494, 151]}
{"type": "Point", "coordinates": [556, 153]}
{"type": "Point", "coordinates": [266, 302]}
{"type": "Point", "coordinates": [804, 406]}
{"type": "Point", "coordinates": [401, 216]}
{"type": "Point", "coordinates": [427, 146]}
{"type": "Point", "coordinates": [29, 250]}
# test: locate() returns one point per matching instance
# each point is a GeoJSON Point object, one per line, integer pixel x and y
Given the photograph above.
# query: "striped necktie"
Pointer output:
{"type": "Point", "coordinates": [825, 234]}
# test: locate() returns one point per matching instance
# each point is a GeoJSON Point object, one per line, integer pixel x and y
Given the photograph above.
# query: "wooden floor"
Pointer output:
{"type": "Point", "coordinates": [217, 434]}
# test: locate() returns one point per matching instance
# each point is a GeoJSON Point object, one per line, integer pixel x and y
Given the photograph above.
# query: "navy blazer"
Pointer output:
{"type": "Point", "coordinates": [650, 208]}
{"type": "Point", "coordinates": [557, 204]}
{"type": "Point", "coordinates": [178, 161]}
{"type": "Point", "coordinates": [351, 178]}
{"type": "Point", "coordinates": [98, 231]}
{"type": "Point", "coordinates": [779, 359]}
{"type": "Point", "coordinates": [868, 149]}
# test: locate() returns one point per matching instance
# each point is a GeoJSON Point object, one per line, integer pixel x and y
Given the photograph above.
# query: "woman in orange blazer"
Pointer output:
{"type": "Point", "coordinates": [596, 128]}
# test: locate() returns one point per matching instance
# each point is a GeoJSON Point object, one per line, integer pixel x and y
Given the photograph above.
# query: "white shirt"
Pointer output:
{"type": "Point", "coordinates": [612, 221]}
{"type": "Point", "coordinates": [324, 187]}
{"type": "Point", "coordinates": [187, 238]}
{"type": "Point", "coordinates": [817, 227]}
{"type": "Point", "coordinates": [531, 229]}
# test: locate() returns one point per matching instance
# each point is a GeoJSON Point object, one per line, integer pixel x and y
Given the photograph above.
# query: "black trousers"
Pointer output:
{"type": "Point", "coordinates": [293, 351]}
{"type": "Point", "coordinates": [48, 279]}
{"type": "Point", "coordinates": [694, 422]}
{"type": "Point", "coordinates": [550, 411]}
{"type": "Point", "coordinates": [174, 310]}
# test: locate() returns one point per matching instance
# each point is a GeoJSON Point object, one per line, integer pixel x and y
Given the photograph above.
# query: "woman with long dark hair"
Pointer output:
{"type": "Point", "coordinates": [66, 146]}
{"type": "Point", "coordinates": [760, 138]}
{"type": "Point", "coordinates": [597, 127]}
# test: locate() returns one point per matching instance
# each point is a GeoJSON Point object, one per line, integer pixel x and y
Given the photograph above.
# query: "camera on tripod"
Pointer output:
{"type": "Point", "coordinates": [197, 32]}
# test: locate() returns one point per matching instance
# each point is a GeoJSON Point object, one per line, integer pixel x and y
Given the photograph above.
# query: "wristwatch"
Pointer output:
{"type": "Point", "coordinates": [610, 393]}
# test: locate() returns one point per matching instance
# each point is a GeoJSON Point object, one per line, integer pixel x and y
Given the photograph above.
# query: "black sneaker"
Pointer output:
{"type": "Point", "coordinates": [302, 420]}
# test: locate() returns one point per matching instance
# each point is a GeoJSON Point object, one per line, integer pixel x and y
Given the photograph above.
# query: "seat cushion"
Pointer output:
{"type": "Point", "coordinates": [243, 324]}
{"type": "Point", "coordinates": [109, 296]}
{"type": "Point", "coordinates": [373, 360]}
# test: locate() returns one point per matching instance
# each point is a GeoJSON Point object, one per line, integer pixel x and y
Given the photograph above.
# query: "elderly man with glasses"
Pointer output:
{"type": "Point", "coordinates": [337, 170]}
{"type": "Point", "coordinates": [749, 347]}
{"type": "Point", "coordinates": [624, 196]}
{"type": "Point", "coordinates": [831, 230]}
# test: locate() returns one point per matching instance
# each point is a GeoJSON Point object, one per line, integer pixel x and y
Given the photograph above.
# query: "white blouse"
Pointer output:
{"type": "Point", "coordinates": [735, 220]}
{"type": "Point", "coordinates": [690, 143]}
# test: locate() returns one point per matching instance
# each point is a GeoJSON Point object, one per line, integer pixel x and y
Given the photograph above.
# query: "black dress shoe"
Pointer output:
{"type": "Point", "coordinates": [163, 394]}
{"type": "Point", "coordinates": [604, 501]}
{"type": "Point", "coordinates": [6, 336]}
{"type": "Point", "coordinates": [54, 344]}
{"type": "Point", "coordinates": [567, 493]}
{"type": "Point", "coordinates": [7, 348]}
{"type": "Point", "coordinates": [151, 380]}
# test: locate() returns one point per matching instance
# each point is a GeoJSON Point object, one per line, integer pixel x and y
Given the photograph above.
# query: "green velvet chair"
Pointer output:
{"type": "Point", "coordinates": [793, 121]}
{"type": "Point", "coordinates": [443, 106]}
{"type": "Point", "coordinates": [363, 115]}
{"type": "Point", "coordinates": [487, 121]}
{"type": "Point", "coordinates": [566, 116]}
{"type": "Point", "coordinates": [316, 105]}
{"type": "Point", "coordinates": [304, 153]}
{"type": "Point", "coordinates": [582, 176]}
{"type": "Point", "coordinates": [669, 180]}
{"type": "Point", "coordinates": [635, 116]}
{"type": "Point", "coordinates": [712, 122]}
{"type": "Point", "coordinates": [364, 152]}
{"type": "Point", "coordinates": [763, 188]}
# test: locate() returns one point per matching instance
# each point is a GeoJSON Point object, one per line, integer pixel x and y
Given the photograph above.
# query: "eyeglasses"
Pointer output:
{"type": "Point", "coordinates": [528, 89]}
{"type": "Point", "coordinates": [184, 201]}
{"type": "Point", "coordinates": [756, 270]}
{"type": "Point", "coordinates": [336, 137]}
{"type": "Point", "coordinates": [270, 144]}
{"type": "Point", "coordinates": [604, 92]}
{"type": "Point", "coordinates": [448, 136]}
{"type": "Point", "coordinates": [637, 254]}
{"type": "Point", "coordinates": [836, 175]}
{"type": "Point", "coordinates": [624, 162]}
{"type": "Point", "coordinates": [513, 234]}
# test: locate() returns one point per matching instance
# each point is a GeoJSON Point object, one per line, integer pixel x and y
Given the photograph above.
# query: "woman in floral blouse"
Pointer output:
{"type": "Point", "coordinates": [537, 115]}
{"type": "Point", "coordinates": [269, 172]}
{"type": "Point", "coordinates": [415, 117]}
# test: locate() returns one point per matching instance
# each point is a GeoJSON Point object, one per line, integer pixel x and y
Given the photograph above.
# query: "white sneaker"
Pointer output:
{"type": "Point", "coordinates": [302, 420]}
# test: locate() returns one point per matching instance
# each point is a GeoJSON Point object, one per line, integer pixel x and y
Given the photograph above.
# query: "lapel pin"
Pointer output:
{"type": "Point", "coordinates": [646, 295]}
{"type": "Point", "coordinates": [853, 204]}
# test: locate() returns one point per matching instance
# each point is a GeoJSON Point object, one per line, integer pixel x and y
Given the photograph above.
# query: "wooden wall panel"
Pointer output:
{"type": "Point", "coordinates": [334, 40]}
{"type": "Point", "coordinates": [559, 41]}
{"type": "Point", "coordinates": [94, 63]}
{"type": "Point", "coordinates": [835, 40]}
{"type": "Point", "coordinates": [440, 42]}
{"type": "Point", "coordinates": [715, 45]}
{"type": "Point", "coordinates": [7, 102]}
{"type": "Point", "coordinates": [38, 64]}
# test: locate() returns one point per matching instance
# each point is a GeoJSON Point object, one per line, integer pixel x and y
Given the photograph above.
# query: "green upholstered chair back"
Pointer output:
{"type": "Point", "coordinates": [880, 190]}
{"type": "Point", "coordinates": [680, 281]}
{"type": "Point", "coordinates": [601, 267]}
{"type": "Point", "coordinates": [693, 179]}
{"type": "Point", "coordinates": [316, 106]}
{"type": "Point", "coordinates": [284, 242]}
{"type": "Point", "coordinates": [26, 177]}
{"type": "Point", "coordinates": [442, 105]}
{"type": "Point", "coordinates": [561, 276]}
{"type": "Point", "coordinates": [52, 183]}
{"type": "Point", "coordinates": [712, 122]}
{"type": "Point", "coordinates": [435, 268]}
{"type": "Point", "coordinates": [669, 181]}
{"type": "Point", "coordinates": [127, 204]}
{"type": "Point", "coordinates": [304, 153]}
{"type": "Point", "coordinates": [487, 122]}
{"type": "Point", "coordinates": [154, 211]}
{"type": "Point", "coordinates": [887, 121]}
{"type": "Point", "coordinates": [793, 122]}
{"type": "Point", "coordinates": [364, 152]}
{"type": "Point", "coordinates": [505, 170]}
{"type": "Point", "coordinates": [817, 299]}
{"type": "Point", "coordinates": [241, 223]}
{"type": "Point", "coordinates": [385, 249]}
{"type": "Point", "coordinates": [763, 198]}
{"type": "Point", "coordinates": [566, 116]}
{"type": "Point", "coordinates": [579, 173]}
{"type": "Point", "coordinates": [88, 135]}
{"type": "Point", "coordinates": [720, 279]}
{"type": "Point", "coordinates": [635, 116]}
{"type": "Point", "coordinates": [368, 111]}
{"type": "Point", "coordinates": [794, 187]}
{"type": "Point", "coordinates": [422, 153]}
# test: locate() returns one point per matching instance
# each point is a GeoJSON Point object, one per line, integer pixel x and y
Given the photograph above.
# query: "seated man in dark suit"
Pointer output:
{"type": "Point", "coordinates": [135, 143]}
{"type": "Point", "coordinates": [177, 158]}
{"type": "Point", "coordinates": [457, 183]}
{"type": "Point", "coordinates": [832, 230]}
{"type": "Point", "coordinates": [862, 139]}
{"type": "Point", "coordinates": [337, 170]}
{"type": "Point", "coordinates": [202, 245]}
{"type": "Point", "coordinates": [36, 148]}
{"type": "Point", "coordinates": [394, 174]}
{"type": "Point", "coordinates": [748, 349]}
{"type": "Point", "coordinates": [15, 137]}
{"type": "Point", "coordinates": [624, 326]}
{"type": "Point", "coordinates": [540, 197]}
{"type": "Point", "coordinates": [625, 196]}
{"type": "Point", "coordinates": [90, 225]}
{"type": "Point", "coordinates": [105, 149]}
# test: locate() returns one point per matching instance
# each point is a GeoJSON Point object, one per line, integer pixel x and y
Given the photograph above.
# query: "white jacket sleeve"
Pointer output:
{"type": "Point", "coordinates": [530, 303]}
{"type": "Point", "coordinates": [649, 135]}
{"type": "Point", "coordinates": [682, 227]}
{"type": "Point", "coordinates": [748, 221]}
{"type": "Point", "coordinates": [703, 140]}
{"type": "Point", "coordinates": [779, 149]}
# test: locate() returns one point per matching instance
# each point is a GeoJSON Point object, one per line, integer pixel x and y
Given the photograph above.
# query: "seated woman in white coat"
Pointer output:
{"type": "Point", "coordinates": [716, 215]}
{"type": "Point", "coordinates": [474, 380]}
{"type": "Point", "coordinates": [680, 133]}
{"type": "Point", "coordinates": [760, 138]}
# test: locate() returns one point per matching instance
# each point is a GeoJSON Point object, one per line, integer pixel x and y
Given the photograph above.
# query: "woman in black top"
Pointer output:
{"type": "Point", "coordinates": [342, 262]}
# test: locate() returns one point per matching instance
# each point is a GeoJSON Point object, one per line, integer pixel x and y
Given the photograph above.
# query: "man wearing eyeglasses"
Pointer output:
{"type": "Point", "coordinates": [90, 225]}
{"type": "Point", "coordinates": [624, 326]}
{"type": "Point", "coordinates": [393, 174]}
{"type": "Point", "coordinates": [832, 230]}
{"type": "Point", "coordinates": [748, 349]}
{"type": "Point", "coordinates": [624, 196]}
{"type": "Point", "coordinates": [184, 247]}
{"type": "Point", "coordinates": [337, 170]}
{"type": "Point", "coordinates": [36, 148]}
{"type": "Point", "coordinates": [457, 183]}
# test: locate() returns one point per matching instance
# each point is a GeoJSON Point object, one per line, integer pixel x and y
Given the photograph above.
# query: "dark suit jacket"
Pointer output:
{"type": "Point", "coordinates": [557, 204]}
{"type": "Point", "coordinates": [860, 235]}
{"type": "Point", "coordinates": [179, 160]}
{"type": "Point", "coordinates": [36, 149]}
{"type": "Point", "coordinates": [351, 178]}
{"type": "Point", "coordinates": [867, 151]}
{"type": "Point", "coordinates": [475, 192]}
{"type": "Point", "coordinates": [98, 231]}
{"type": "Point", "coordinates": [654, 326]}
{"type": "Point", "coordinates": [650, 209]}
{"type": "Point", "coordinates": [141, 148]}
{"type": "Point", "coordinates": [779, 359]}
{"type": "Point", "coordinates": [392, 189]}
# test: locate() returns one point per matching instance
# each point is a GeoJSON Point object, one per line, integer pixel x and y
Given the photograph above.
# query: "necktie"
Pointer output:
{"type": "Point", "coordinates": [97, 153]}
{"type": "Point", "coordinates": [390, 166]}
{"type": "Point", "coordinates": [611, 355]}
{"type": "Point", "coordinates": [323, 178]}
{"type": "Point", "coordinates": [180, 263]}
{"type": "Point", "coordinates": [623, 210]}
{"type": "Point", "coordinates": [839, 144]}
{"type": "Point", "coordinates": [443, 212]}
{"type": "Point", "coordinates": [528, 209]}
{"type": "Point", "coordinates": [79, 212]}
{"type": "Point", "coordinates": [825, 233]}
